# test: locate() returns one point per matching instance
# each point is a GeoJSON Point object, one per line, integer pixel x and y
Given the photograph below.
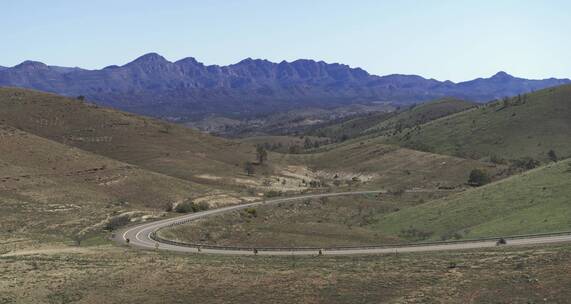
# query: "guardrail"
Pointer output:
{"type": "Point", "coordinates": [159, 239]}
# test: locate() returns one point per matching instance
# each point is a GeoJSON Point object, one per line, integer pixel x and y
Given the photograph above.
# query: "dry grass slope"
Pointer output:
{"type": "Point", "coordinates": [149, 143]}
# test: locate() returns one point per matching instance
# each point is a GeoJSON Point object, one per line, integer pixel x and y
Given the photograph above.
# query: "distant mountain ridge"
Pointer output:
{"type": "Point", "coordinates": [154, 86]}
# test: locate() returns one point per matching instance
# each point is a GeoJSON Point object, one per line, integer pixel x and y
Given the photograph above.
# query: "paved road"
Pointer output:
{"type": "Point", "coordinates": [140, 236]}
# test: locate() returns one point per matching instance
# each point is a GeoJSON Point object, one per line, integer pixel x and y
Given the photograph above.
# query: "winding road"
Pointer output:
{"type": "Point", "coordinates": [141, 236]}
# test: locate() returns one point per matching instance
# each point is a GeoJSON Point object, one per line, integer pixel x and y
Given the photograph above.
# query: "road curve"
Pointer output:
{"type": "Point", "coordinates": [140, 236]}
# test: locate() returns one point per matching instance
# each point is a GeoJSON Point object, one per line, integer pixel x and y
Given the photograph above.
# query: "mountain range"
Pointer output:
{"type": "Point", "coordinates": [186, 88]}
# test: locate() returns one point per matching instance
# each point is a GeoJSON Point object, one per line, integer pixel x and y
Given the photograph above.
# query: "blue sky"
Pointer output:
{"type": "Point", "coordinates": [447, 39]}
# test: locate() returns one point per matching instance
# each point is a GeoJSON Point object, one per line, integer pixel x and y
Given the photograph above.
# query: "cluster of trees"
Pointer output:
{"type": "Point", "coordinates": [507, 102]}
{"type": "Point", "coordinates": [525, 163]}
{"type": "Point", "coordinates": [190, 206]}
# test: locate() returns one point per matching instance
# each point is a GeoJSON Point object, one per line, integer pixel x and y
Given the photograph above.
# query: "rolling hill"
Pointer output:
{"type": "Point", "coordinates": [533, 202]}
{"type": "Point", "coordinates": [151, 144]}
{"type": "Point", "coordinates": [375, 124]}
{"type": "Point", "coordinates": [58, 190]}
{"type": "Point", "coordinates": [526, 126]}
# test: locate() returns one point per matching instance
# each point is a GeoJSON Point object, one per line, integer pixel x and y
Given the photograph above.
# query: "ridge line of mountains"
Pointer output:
{"type": "Point", "coordinates": [188, 89]}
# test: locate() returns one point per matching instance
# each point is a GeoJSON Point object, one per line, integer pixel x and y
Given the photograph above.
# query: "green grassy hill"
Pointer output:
{"type": "Point", "coordinates": [535, 201]}
{"type": "Point", "coordinates": [526, 126]}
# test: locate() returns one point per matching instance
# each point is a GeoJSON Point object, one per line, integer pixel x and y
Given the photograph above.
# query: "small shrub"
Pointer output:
{"type": "Point", "coordinates": [478, 178]}
{"type": "Point", "coordinates": [417, 234]}
{"type": "Point", "coordinates": [273, 193]}
{"type": "Point", "coordinates": [552, 156]}
{"type": "Point", "coordinates": [497, 160]}
{"type": "Point", "coordinates": [397, 191]}
{"type": "Point", "coordinates": [117, 222]}
{"type": "Point", "coordinates": [249, 168]}
{"type": "Point", "coordinates": [251, 212]}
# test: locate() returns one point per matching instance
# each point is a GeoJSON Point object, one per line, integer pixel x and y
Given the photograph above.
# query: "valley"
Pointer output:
{"type": "Point", "coordinates": [78, 175]}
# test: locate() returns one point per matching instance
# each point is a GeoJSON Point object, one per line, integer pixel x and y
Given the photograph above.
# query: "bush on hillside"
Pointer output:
{"type": "Point", "coordinates": [117, 222]}
{"type": "Point", "coordinates": [478, 178]}
{"type": "Point", "coordinates": [552, 156]}
{"type": "Point", "coordinates": [273, 193]}
{"type": "Point", "coordinates": [251, 212]}
{"type": "Point", "coordinates": [526, 163]}
{"type": "Point", "coordinates": [249, 168]}
{"type": "Point", "coordinates": [190, 206]}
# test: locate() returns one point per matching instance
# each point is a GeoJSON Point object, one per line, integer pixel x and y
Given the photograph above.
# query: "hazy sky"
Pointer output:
{"type": "Point", "coordinates": [455, 40]}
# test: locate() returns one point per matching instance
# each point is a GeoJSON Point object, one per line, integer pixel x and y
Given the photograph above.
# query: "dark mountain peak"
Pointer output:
{"type": "Point", "coordinates": [149, 59]}
{"type": "Point", "coordinates": [188, 61]}
{"type": "Point", "coordinates": [250, 61]}
{"type": "Point", "coordinates": [29, 64]}
{"type": "Point", "coordinates": [404, 77]}
{"type": "Point", "coordinates": [305, 61]}
{"type": "Point", "coordinates": [502, 75]}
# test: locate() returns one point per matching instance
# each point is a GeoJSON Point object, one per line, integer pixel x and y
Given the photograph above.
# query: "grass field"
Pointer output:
{"type": "Point", "coordinates": [107, 274]}
{"type": "Point", "coordinates": [536, 201]}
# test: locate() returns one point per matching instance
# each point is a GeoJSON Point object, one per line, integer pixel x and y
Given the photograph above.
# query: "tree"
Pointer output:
{"type": "Point", "coordinates": [261, 154]}
{"type": "Point", "coordinates": [249, 168]}
{"type": "Point", "coordinates": [307, 144]}
{"type": "Point", "coordinates": [295, 149]}
{"type": "Point", "coordinates": [506, 102]}
{"type": "Point", "coordinates": [552, 156]}
{"type": "Point", "coordinates": [478, 178]}
{"type": "Point", "coordinates": [78, 238]}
